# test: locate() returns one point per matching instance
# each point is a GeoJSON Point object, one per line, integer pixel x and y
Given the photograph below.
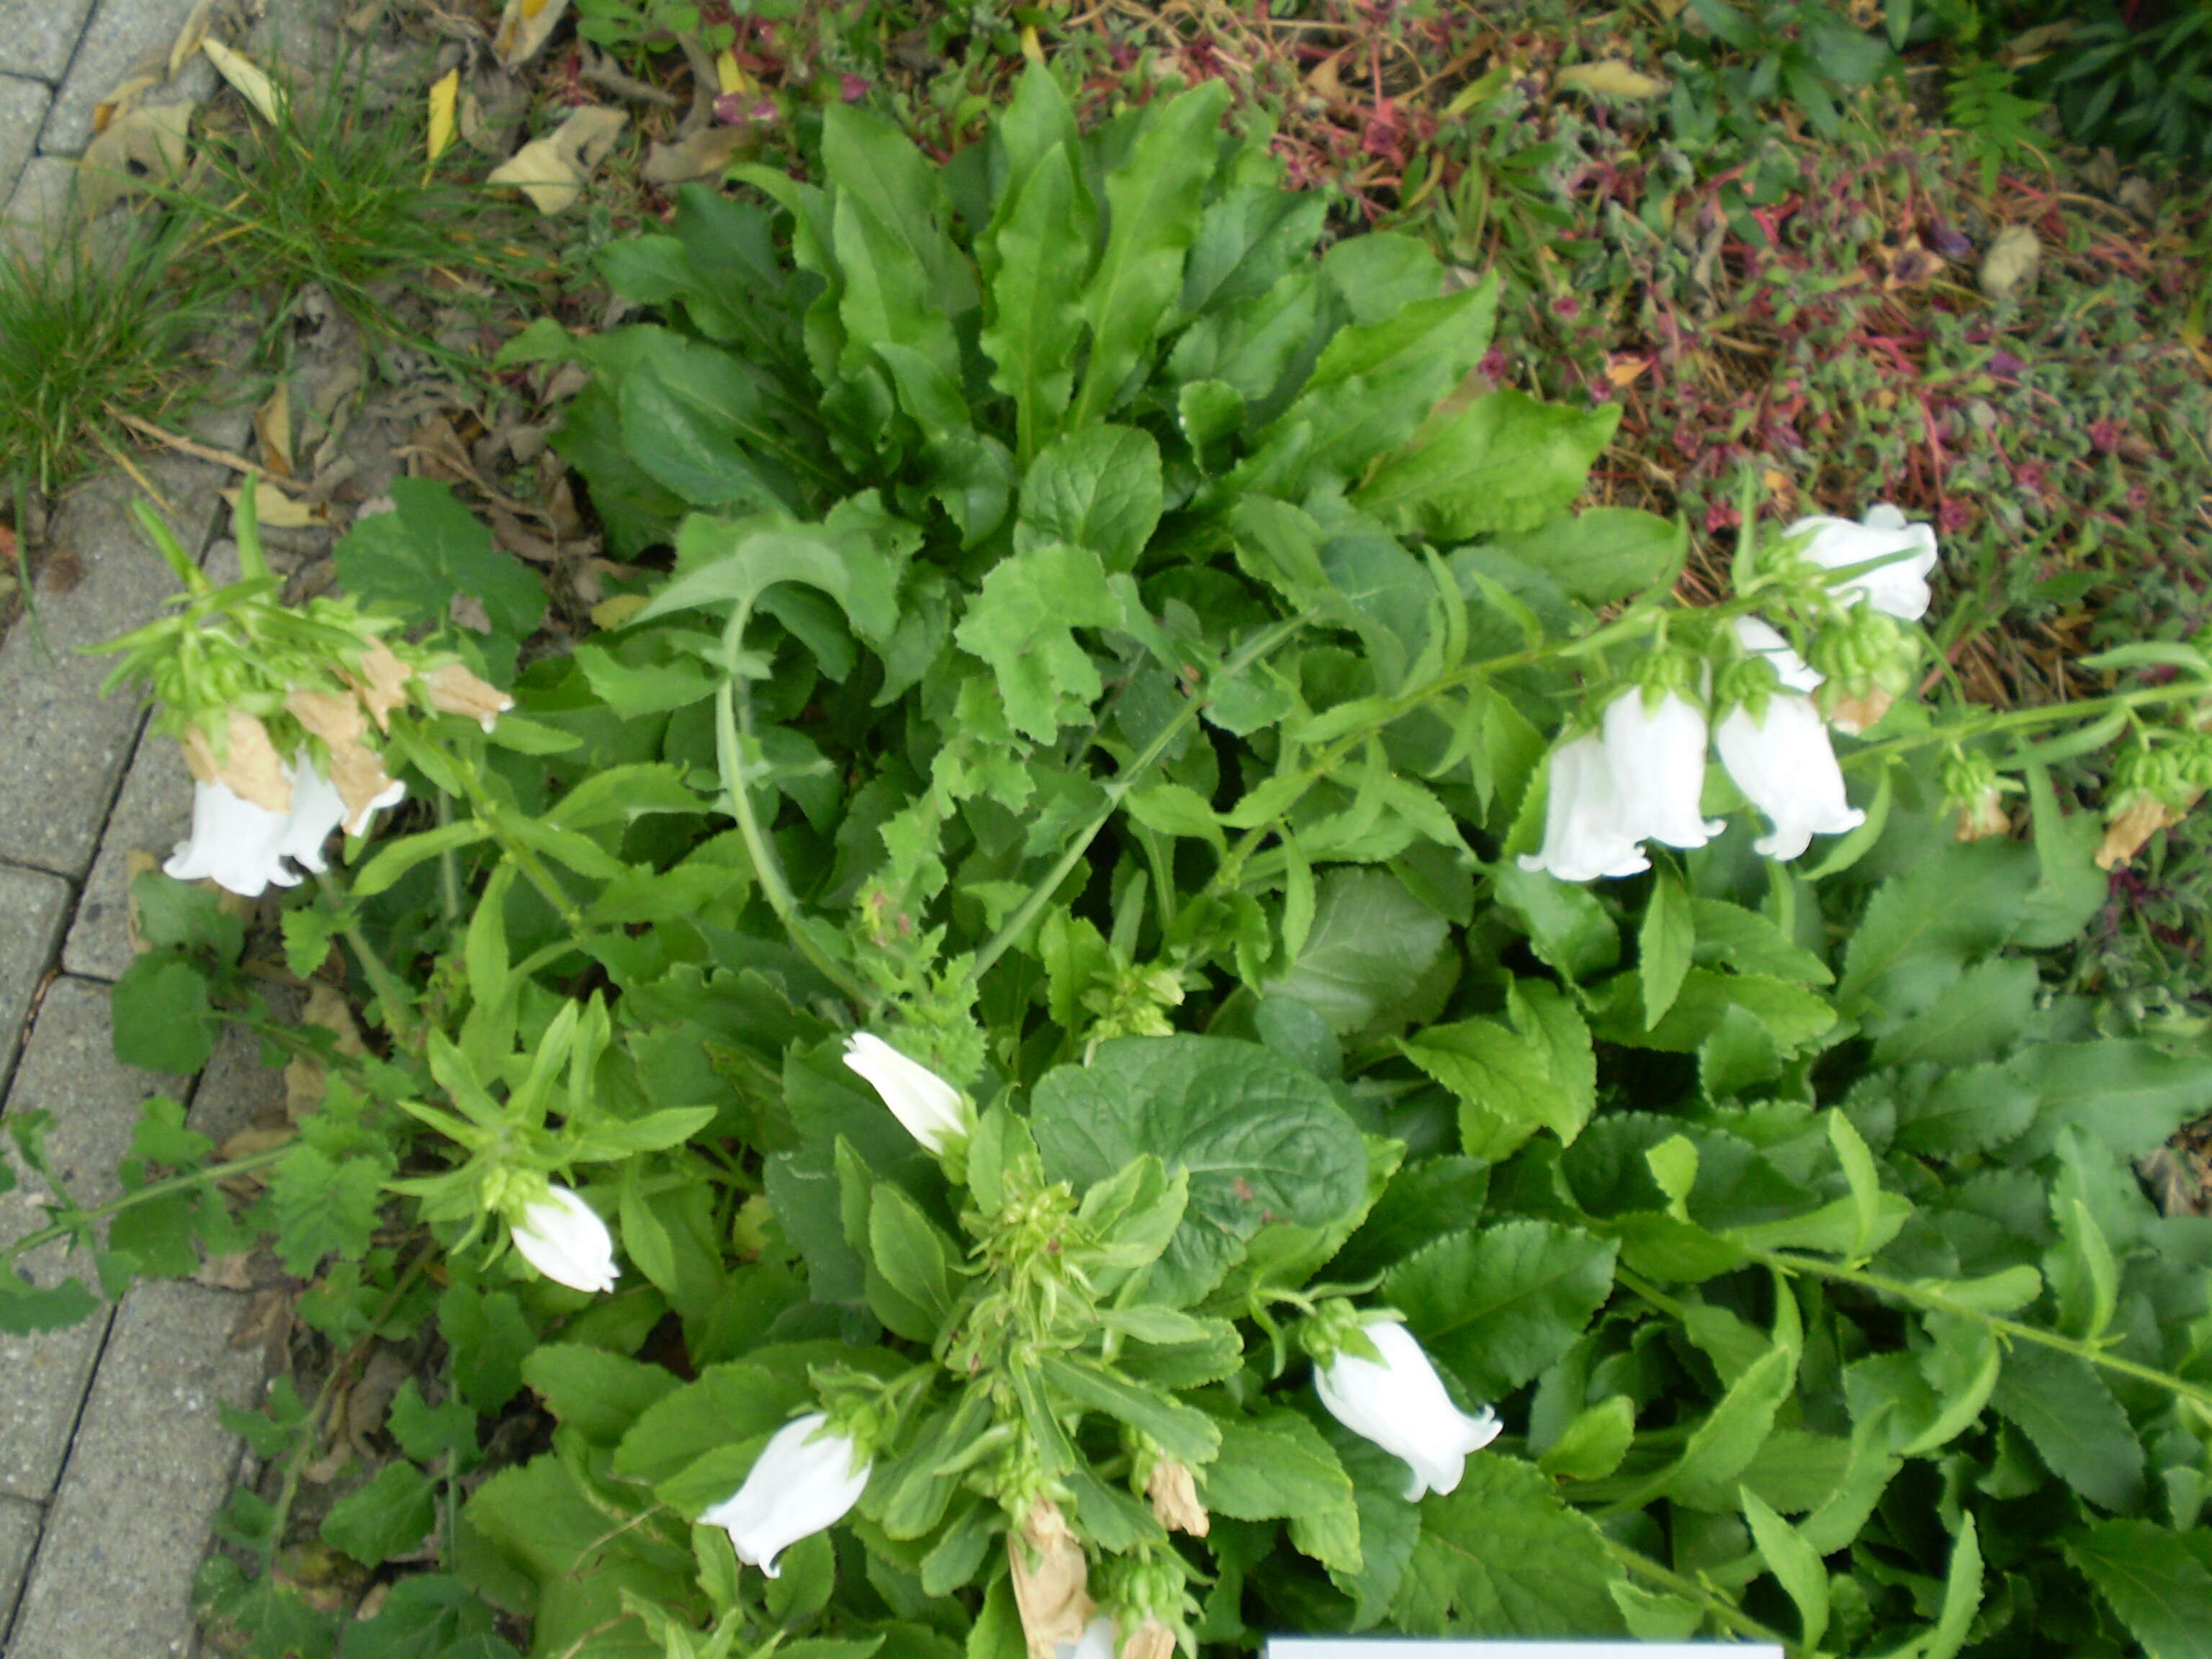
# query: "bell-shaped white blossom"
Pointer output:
{"type": "Point", "coordinates": [1657, 756]}
{"type": "Point", "coordinates": [234, 843]}
{"type": "Point", "coordinates": [804, 1479]}
{"type": "Point", "coordinates": [317, 808]}
{"type": "Point", "coordinates": [1099, 1640]}
{"type": "Point", "coordinates": [1899, 587]}
{"type": "Point", "coordinates": [1585, 835]}
{"type": "Point", "coordinates": [1402, 1406]}
{"type": "Point", "coordinates": [1762, 639]}
{"type": "Point", "coordinates": [563, 1238]}
{"type": "Point", "coordinates": [1786, 767]}
{"type": "Point", "coordinates": [925, 1102]}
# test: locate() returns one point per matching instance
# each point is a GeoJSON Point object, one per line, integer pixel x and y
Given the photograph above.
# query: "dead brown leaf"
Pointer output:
{"type": "Point", "coordinates": [273, 424]}
{"type": "Point", "coordinates": [524, 28]}
{"type": "Point", "coordinates": [705, 154]}
{"type": "Point", "coordinates": [552, 171]}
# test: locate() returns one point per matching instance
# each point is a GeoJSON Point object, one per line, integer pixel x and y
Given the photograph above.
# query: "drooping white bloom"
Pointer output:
{"type": "Point", "coordinates": [1899, 587]}
{"type": "Point", "coordinates": [234, 843]}
{"type": "Point", "coordinates": [805, 1478]}
{"type": "Point", "coordinates": [1402, 1406]}
{"type": "Point", "coordinates": [1584, 833]}
{"type": "Point", "coordinates": [1657, 756]}
{"type": "Point", "coordinates": [925, 1102]}
{"type": "Point", "coordinates": [1762, 639]}
{"type": "Point", "coordinates": [1785, 766]}
{"type": "Point", "coordinates": [1099, 1640]}
{"type": "Point", "coordinates": [317, 808]}
{"type": "Point", "coordinates": [563, 1238]}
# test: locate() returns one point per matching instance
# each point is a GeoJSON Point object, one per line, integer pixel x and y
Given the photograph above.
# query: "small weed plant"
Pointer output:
{"type": "Point", "coordinates": [1127, 1010]}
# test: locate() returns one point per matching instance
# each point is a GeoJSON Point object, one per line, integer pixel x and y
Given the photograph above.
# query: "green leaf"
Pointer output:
{"type": "Point", "coordinates": [1260, 1140]}
{"type": "Point", "coordinates": [1603, 555]}
{"type": "Point", "coordinates": [1184, 1432]}
{"type": "Point", "coordinates": [184, 915]}
{"type": "Point", "coordinates": [1152, 206]}
{"type": "Point", "coordinates": [1280, 1467]}
{"type": "Point", "coordinates": [597, 1393]}
{"type": "Point", "coordinates": [1963, 901]}
{"type": "Point", "coordinates": [1022, 622]}
{"type": "Point", "coordinates": [727, 1406]}
{"type": "Point", "coordinates": [1795, 1566]}
{"type": "Point", "coordinates": [1502, 1081]}
{"type": "Point", "coordinates": [487, 1338]}
{"type": "Point", "coordinates": [2161, 1589]}
{"type": "Point", "coordinates": [324, 1206]}
{"type": "Point", "coordinates": [1591, 1447]}
{"type": "Point", "coordinates": [1371, 942]}
{"type": "Point", "coordinates": [1981, 1014]}
{"type": "Point", "coordinates": [427, 1432]}
{"type": "Point", "coordinates": [163, 1021]}
{"type": "Point", "coordinates": [1497, 1306]}
{"type": "Point", "coordinates": [1721, 1447]}
{"type": "Point", "coordinates": [388, 1516]}
{"type": "Point", "coordinates": [1663, 946]}
{"type": "Point", "coordinates": [2063, 1407]}
{"type": "Point", "coordinates": [867, 158]}
{"type": "Point", "coordinates": [428, 551]}
{"type": "Point", "coordinates": [428, 1615]}
{"type": "Point", "coordinates": [1423, 1202]}
{"type": "Point", "coordinates": [1099, 489]}
{"type": "Point", "coordinates": [700, 423]}
{"type": "Point", "coordinates": [733, 563]}
{"type": "Point", "coordinates": [1044, 250]}
{"type": "Point", "coordinates": [1506, 463]}
{"type": "Point", "coordinates": [1962, 1595]}
{"type": "Point", "coordinates": [396, 858]}
{"type": "Point", "coordinates": [25, 1308]}
{"type": "Point", "coordinates": [919, 1261]}
{"type": "Point", "coordinates": [2130, 1096]}
{"type": "Point", "coordinates": [1504, 1556]}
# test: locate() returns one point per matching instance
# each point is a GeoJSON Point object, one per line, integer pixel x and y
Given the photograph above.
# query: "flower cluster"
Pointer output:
{"type": "Point", "coordinates": [1640, 775]}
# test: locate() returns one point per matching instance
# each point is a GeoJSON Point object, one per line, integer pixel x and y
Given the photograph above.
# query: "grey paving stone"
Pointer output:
{"type": "Point", "coordinates": [39, 203]}
{"type": "Point", "coordinates": [152, 814]}
{"type": "Point", "coordinates": [63, 747]}
{"type": "Point", "coordinates": [236, 1086]}
{"type": "Point", "coordinates": [38, 36]}
{"type": "Point", "coordinates": [33, 906]}
{"type": "Point", "coordinates": [19, 1536]}
{"type": "Point", "coordinates": [22, 110]}
{"type": "Point", "coordinates": [152, 1463]}
{"type": "Point", "coordinates": [69, 1070]}
{"type": "Point", "coordinates": [122, 35]}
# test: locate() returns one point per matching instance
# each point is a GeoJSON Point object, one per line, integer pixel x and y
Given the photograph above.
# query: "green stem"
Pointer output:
{"type": "Point", "coordinates": [1726, 1612]}
{"type": "Point", "coordinates": [2057, 713]}
{"type": "Point", "coordinates": [733, 722]}
{"type": "Point", "coordinates": [391, 994]}
{"type": "Point", "coordinates": [449, 870]}
{"type": "Point", "coordinates": [1040, 894]}
{"type": "Point", "coordinates": [146, 1194]}
{"type": "Point", "coordinates": [488, 814]}
{"type": "Point", "coordinates": [1933, 1299]}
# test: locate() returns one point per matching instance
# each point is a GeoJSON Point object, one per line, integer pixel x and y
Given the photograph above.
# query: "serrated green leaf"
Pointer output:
{"type": "Point", "coordinates": [1507, 463]}
{"type": "Point", "coordinates": [1664, 944]}
{"type": "Point", "coordinates": [1497, 1306]}
{"type": "Point", "coordinates": [2061, 1404]}
{"type": "Point", "coordinates": [1022, 622]}
{"type": "Point", "coordinates": [428, 551]}
{"type": "Point", "coordinates": [2161, 1589]}
{"type": "Point", "coordinates": [1504, 1556]}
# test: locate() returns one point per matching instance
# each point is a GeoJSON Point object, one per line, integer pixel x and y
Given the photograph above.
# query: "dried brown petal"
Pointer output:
{"type": "Point", "coordinates": [1984, 817]}
{"type": "Point", "coordinates": [1174, 1500]}
{"type": "Point", "coordinates": [337, 721]}
{"type": "Point", "coordinates": [454, 691]}
{"type": "Point", "coordinates": [358, 773]}
{"type": "Point", "coordinates": [379, 683]}
{"type": "Point", "coordinates": [2135, 824]}
{"type": "Point", "coordinates": [1051, 1582]}
{"type": "Point", "coordinates": [1852, 715]}
{"type": "Point", "coordinates": [1150, 1640]}
{"type": "Point", "coordinates": [248, 763]}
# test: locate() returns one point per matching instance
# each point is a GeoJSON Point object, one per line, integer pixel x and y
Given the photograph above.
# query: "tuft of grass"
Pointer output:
{"type": "Point", "coordinates": [86, 331]}
{"type": "Point", "coordinates": [336, 194]}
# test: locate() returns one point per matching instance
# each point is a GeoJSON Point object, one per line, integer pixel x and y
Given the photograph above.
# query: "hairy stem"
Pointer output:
{"type": "Point", "coordinates": [146, 1194]}
{"type": "Point", "coordinates": [391, 994]}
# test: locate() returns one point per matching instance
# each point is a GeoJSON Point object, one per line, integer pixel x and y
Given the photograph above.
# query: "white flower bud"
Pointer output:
{"type": "Point", "coordinates": [804, 1479]}
{"type": "Point", "coordinates": [1786, 767]}
{"type": "Point", "coordinates": [1585, 836]}
{"type": "Point", "coordinates": [563, 1238]}
{"type": "Point", "coordinates": [1657, 754]}
{"type": "Point", "coordinates": [1899, 587]}
{"type": "Point", "coordinates": [1402, 1406]}
{"type": "Point", "coordinates": [925, 1102]}
{"type": "Point", "coordinates": [1762, 639]}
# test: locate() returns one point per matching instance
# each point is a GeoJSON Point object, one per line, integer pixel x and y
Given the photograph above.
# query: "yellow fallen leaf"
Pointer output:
{"type": "Point", "coordinates": [277, 511]}
{"type": "Point", "coordinates": [249, 79]}
{"type": "Point", "coordinates": [133, 150]}
{"type": "Point", "coordinates": [445, 94]}
{"type": "Point", "coordinates": [1611, 78]}
{"type": "Point", "coordinates": [728, 77]}
{"type": "Point", "coordinates": [524, 28]}
{"type": "Point", "coordinates": [121, 102]}
{"type": "Point", "coordinates": [614, 612]}
{"type": "Point", "coordinates": [551, 171]}
{"type": "Point", "coordinates": [189, 37]}
{"type": "Point", "coordinates": [273, 424]}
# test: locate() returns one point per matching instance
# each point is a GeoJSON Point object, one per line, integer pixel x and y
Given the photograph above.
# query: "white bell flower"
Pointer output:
{"type": "Point", "coordinates": [562, 1236]}
{"type": "Point", "coordinates": [317, 808]}
{"type": "Point", "coordinates": [1899, 587]}
{"type": "Point", "coordinates": [1762, 639]}
{"type": "Point", "coordinates": [1099, 1640]}
{"type": "Point", "coordinates": [925, 1102]}
{"type": "Point", "coordinates": [234, 843]}
{"type": "Point", "coordinates": [1786, 767]}
{"type": "Point", "coordinates": [1657, 755]}
{"type": "Point", "coordinates": [1585, 836]}
{"type": "Point", "coordinates": [804, 1479]}
{"type": "Point", "coordinates": [1401, 1404]}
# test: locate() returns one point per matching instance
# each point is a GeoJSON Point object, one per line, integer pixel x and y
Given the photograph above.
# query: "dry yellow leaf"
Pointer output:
{"type": "Point", "coordinates": [728, 77]}
{"type": "Point", "coordinates": [133, 150]}
{"type": "Point", "coordinates": [273, 424]}
{"type": "Point", "coordinates": [445, 96]}
{"type": "Point", "coordinates": [189, 37]}
{"type": "Point", "coordinates": [249, 79]}
{"type": "Point", "coordinates": [614, 612]}
{"type": "Point", "coordinates": [121, 102]}
{"type": "Point", "coordinates": [277, 511]}
{"type": "Point", "coordinates": [551, 171]}
{"type": "Point", "coordinates": [1609, 77]}
{"type": "Point", "coordinates": [524, 28]}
